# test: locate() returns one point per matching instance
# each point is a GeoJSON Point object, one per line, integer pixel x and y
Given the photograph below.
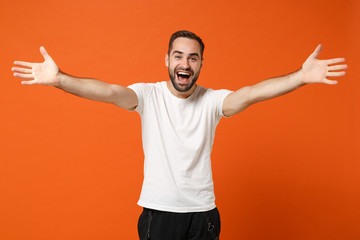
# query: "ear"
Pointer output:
{"type": "Point", "coordinates": [167, 60]}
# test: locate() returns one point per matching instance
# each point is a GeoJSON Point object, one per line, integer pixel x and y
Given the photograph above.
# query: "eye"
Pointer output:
{"type": "Point", "coordinates": [177, 57]}
{"type": "Point", "coordinates": [193, 59]}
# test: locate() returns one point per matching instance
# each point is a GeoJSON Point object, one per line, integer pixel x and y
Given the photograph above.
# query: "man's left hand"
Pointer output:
{"type": "Point", "coordinates": [317, 71]}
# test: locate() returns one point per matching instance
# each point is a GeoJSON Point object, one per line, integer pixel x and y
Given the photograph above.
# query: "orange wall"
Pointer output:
{"type": "Point", "coordinates": [284, 169]}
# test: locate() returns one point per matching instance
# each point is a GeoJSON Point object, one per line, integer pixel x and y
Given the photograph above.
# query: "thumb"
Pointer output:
{"type": "Point", "coordinates": [44, 53]}
{"type": "Point", "coordinates": [317, 51]}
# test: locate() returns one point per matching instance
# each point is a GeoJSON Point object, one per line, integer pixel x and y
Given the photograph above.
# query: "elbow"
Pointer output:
{"type": "Point", "coordinates": [252, 96]}
{"type": "Point", "coordinates": [238, 101]}
{"type": "Point", "coordinates": [122, 97]}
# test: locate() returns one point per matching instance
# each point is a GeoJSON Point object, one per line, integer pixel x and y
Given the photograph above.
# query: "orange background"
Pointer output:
{"type": "Point", "coordinates": [283, 169]}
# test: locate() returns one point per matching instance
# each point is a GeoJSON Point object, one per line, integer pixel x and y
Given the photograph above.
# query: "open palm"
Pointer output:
{"type": "Point", "coordinates": [317, 71]}
{"type": "Point", "coordinates": [37, 73]}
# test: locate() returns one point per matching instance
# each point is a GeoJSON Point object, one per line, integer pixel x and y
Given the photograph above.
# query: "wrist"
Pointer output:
{"type": "Point", "coordinates": [58, 79]}
{"type": "Point", "coordinates": [300, 77]}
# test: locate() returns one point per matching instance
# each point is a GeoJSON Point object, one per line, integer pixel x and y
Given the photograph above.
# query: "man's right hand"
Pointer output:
{"type": "Point", "coordinates": [47, 73]}
{"type": "Point", "coordinates": [44, 73]}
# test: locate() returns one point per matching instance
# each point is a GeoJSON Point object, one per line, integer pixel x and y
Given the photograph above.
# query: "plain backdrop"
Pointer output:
{"type": "Point", "coordinates": [288, 168]}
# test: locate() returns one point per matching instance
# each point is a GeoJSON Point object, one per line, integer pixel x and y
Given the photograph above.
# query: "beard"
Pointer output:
{"type": "Point", "coordinates": [183, 88]}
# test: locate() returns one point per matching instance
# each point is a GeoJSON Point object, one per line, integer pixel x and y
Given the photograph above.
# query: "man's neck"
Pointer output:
{"type": "Point", "coordinates": [178, 94]}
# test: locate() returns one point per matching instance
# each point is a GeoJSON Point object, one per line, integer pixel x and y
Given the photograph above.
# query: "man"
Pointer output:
{"type": "Point", "coordinates": [178, 119]}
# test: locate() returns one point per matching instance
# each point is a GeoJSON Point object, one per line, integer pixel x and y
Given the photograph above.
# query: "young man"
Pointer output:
{"type": "Point", "coordinates": [178, 121]}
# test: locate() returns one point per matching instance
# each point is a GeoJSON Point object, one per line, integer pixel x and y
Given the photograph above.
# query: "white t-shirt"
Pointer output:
{"type": "Point", "coordinates": [177, 137]}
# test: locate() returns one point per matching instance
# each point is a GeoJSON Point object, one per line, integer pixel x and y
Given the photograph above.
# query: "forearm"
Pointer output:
{"type": "Point", "coordinates": [275, 87]}
{"type": "Point", "coordinates": [267, 89]}
{"type": "Point", "coordinates": [84, 87]}
{"type": "Point", "coordinates": [97, 90]}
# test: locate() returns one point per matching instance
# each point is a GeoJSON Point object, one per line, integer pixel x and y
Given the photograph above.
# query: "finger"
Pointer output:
{"type": "Point", "coordinates": [330, 82]}
{"type": "Point", "coordinates": [335, 74]}
{"type": "Point", "coordinates": [32, 82]}
{"type": "Point", "coordinates": [44, 53]}
{"type": "Point", "coordinates": [24, 76]}
{"type": "Point", "coordinates": [317, 51]}
{"type": "Point", "coordinates": [337, 67]}
{"type": "Point", "coordinates": [24, 64]}
{"type": "Point", "coordinates": [334, 61]}
{"type": "Point", "coordinates": [21, 70]}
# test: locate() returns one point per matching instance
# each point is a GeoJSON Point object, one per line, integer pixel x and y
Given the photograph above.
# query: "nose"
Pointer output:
{"type": "Point", "coordinates": [185, 63]}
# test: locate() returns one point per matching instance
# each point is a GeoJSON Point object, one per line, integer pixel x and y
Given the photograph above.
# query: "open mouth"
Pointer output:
{"type": "Point", "coordinates": [183, 77]}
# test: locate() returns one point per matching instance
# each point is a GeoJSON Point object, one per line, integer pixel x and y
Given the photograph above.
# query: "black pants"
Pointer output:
{"type": "Point", "coordinates": [160, 225]}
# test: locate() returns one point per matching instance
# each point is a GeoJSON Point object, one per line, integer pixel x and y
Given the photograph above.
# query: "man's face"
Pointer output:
{"type": "Point", "coordinates": [184, 63]}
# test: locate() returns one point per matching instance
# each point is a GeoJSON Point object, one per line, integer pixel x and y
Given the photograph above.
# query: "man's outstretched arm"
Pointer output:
{"type": "Point", "coordinates": [48, 73]}
{"type": "Point", "coordinates": [313, 71]}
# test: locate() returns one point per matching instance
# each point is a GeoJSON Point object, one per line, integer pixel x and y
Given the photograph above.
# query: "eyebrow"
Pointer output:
{"type": "Point", "coordinates": [180, 52]}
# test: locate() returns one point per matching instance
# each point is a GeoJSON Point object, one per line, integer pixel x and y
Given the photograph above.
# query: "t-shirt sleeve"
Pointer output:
{"type": "Point", "coordinates": [217, 99]}
{"type": "Point", "coordinates": [141, 90]}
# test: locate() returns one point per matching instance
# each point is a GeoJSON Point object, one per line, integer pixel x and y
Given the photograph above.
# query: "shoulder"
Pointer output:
{"type": "Point", "coordinates": [146, 87]}
{"type": "Point", "coordinates": [140, 85]}
{"type": "Point", "coordinates": [214, 93]}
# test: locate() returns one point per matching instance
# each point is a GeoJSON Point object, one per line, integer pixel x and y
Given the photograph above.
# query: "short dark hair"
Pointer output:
{"type": "Point", "coordinates": [186, 34]}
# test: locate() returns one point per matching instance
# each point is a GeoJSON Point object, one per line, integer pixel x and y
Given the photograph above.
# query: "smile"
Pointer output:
{"type": "Point", "coordinates": [183, 76]}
